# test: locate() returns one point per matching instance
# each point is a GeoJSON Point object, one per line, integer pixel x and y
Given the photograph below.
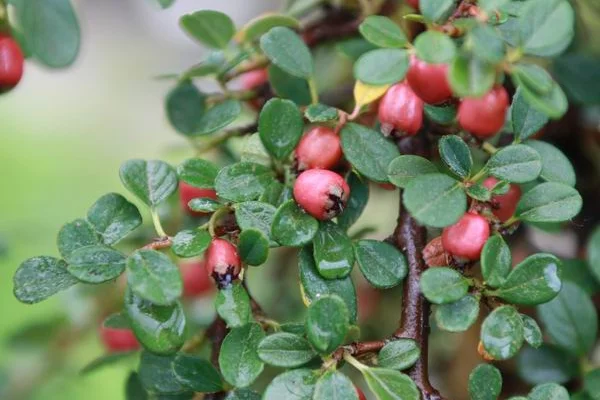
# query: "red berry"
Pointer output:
{"type": "Point", "coordinates": [401, 109]}
{"type": "Point", "coordinates": [188, 192]}
{"type": "Point", "coordinates": [414, 4]}
{"type": "Point", "coordinates": [319, 148]}
{"type": "Point", "coordinates": [11, 62]}
{"type": "Point", "coordinates": [466, 238]}
{"type": "Point", "coordinates": [118, 340]}
{"type": "Point", "coordinates": [429, 81]}
{"type": "Point", "coordinates": [361, 395]}
{"type": "Point", "coordinates": [484, 116]}
{"type": "Point", "coordinates": [253, 79]}
{"type": "Point", "coordinates": [195, 277]}
{"type": "Point", "coordinates": [504, 205]}
{"type": "Point", "coordinates": [321, 193]}
{"type": "Point", "coordinates": [223, 262]}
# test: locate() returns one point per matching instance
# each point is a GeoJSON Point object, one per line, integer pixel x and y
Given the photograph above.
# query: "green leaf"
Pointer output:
{"type": "Point", "coordinates": [233, 305]}
{"type": "Point", "coordinates": [185, 106]}
{"type": "Point", "coordinates": [440, 115]}
{"type": "Point", "coordinates": [535, 280]}
{"type": "Point", "coordinates": [554, 104]}
{"type": "Point", "coordinates": [75, 235]}
{"type": "Point", "coordinates": [571, 320]}
{"type": "Point", "coordinates": [532, 332]}
{"type": "Point", "coordinates": [548, 391]}
{"type": "Point", "coordinates": [435, 47]}
{"type": "Point", "coordinates": [256, 215]}
{"type": "Point", "coordinates": [96, 264]}
{"type": "Point", "coordinates": [435, 200]}
{"type": "Point", "coordinates": [117, 321]}
{"type": "Point", "coordinates": [280, 127]}
{"type": "Point", "coordinates": [320, 113]}
{"type": "Point", "coordinates": [190, 243]}
{"type": "Point", "coordinates": [487, 44]}
{"type": "Point", "coordinates": [150, 181]}
{"type": "Point", "coordinates": [204, 205]}
{"type": "Point", "coordinates": [389, 384]}
{"type": "Point", "coordinates": [333, 251]}
{"type": "Point", "coordinates": [197, 374]}
{"type": "Point", "coordinates": [293, 227]}
{"type": "Point", "coordinates": [242, 181]}
{"type": "Point", "coordinates": [496, 261]}
{"type": "Point", "coordinates": [556, 167]}
{"type": "Point", "coordinates": [546, 364]}
{"type": "Point", "coordinates": [134, 389]}
{"type": "Point", "coordinates": [157, 374]}
{"type": "Point", "coordinates": [546, 27]}
{"type": "Point", "coordinates": [382, 264]}
{"type": "Point", "coordinates": [211, 65]}
{"type": "Point", "coordinates": [478, 192]}
{"type": "Point", "coordinates": [243, 394]}
{"type": "Point", "coordinates": [218, 117]}
{"type": "Point", "coordinates": [51, 31]}
{"type": "Point", "coordinates": [152, 276]}
{"type": "Point", "coordinates": [359, 196]}
{"type": "Point", "coordinates": [368, 151]}
{"type": "Point", "coordinates": [581, 274]}
{"type": "Point", "coordinates": [334, 385]}
{"type": "Point", "coordinates": [106, 360]}
{"type": "Point", "coordinates": [287, 50]}
{"type": "Point", "coordinates": [549, 202]}
{"type": "Point", "coordinates": [327, 323]}
{"type": "Point", "coordinates": [591, 384]}
{"type": "Point", "coordinates": [314, 286]}
{"type": "Point", "coordinates": [209, 27]}
{"type": "Point", "coordinates": [38, 278]}
{"type": "Point", "coordinates": [264, 23]}
{"type": "Point", "coordinates": [536, 78]}
{"type": "Point", "coordinates": [198, 172]}
{"type": "Point", "coordinates": [239, 361]}
{"type": "Point", "coordinates": [253, 247]}
{"type": "Point", "coordinates": [526, 120]}
{"type": "Point", "coordinates": [456, 154]}
{"type": "Point", "coordinates": [442, 285]}
{"type": "Point", "coordinates": [492, 5]}
{"type": "Point", "coordinates": [354, 47]}
{"type": "Point", "coordinates": [593, 253]}
{"type": "Point", "coordinates": [517, 163]}
{"type": "Point", "coordinates": [436, 10]}
{"type": "Point", "coordinates": [404, 168]}
{"type": "Point", "coordinates": [399, 354]}
{"type": "Point", "coordinates": [457, 316]}
{"type": "Point", "coordinates": [382, 32]}
{"type": "Point", "coordinates": [159, 328]}
{"type": "Point", "coordinates": [381, 66]}
{"type": "Point", "coordinates": [285, 350]}
{"type": "Point", "coordinates": [485, 382]}
{"type": "Point", "coordinates": [502, 333]}
{"type": "Point", "coordinates": [471, 77]}
{"type": "Point", "coordinates": [165, 3]}
{"type": "Point", "coordinates": [289, 86]}
{"type": "Point", "coordinates": [577, 73]}
{"type": "Point", "coordinates": [297, 384]}
{"type": "Point", "coordinates": [113, 217]}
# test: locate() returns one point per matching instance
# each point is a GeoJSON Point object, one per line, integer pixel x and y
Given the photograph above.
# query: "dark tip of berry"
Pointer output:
{"type": "Point", "coordinates": [224, 280]}
{"type": "Point", "coordinates": [335, 204]}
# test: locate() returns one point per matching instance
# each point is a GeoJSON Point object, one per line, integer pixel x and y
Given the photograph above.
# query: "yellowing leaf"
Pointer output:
{"type": "Point", "coordinates": [365, 94]}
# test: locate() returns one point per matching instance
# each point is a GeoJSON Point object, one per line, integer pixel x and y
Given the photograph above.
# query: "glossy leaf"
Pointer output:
{"type": "Point", "coordinates": [389, 384]}
{"type": "Point", "coordinates": [255, 215]}
{"type": "Point", "coordinates": [238, 359]}
{"type": "Point", "coordinates": [280, 127]}
{"type": "Point", "coordinates": [233, 305]}
{"type": "Point", "coordinates": [327, 323]}
{"type": "Point", "coordinates": [443, 285]}
{"type": "Point", "coordinates": [404, 168]}
{"type": "Point", "coordinates": [517, 163]}
{"type": "Point", "coordinates": [113, 217]}
{"type": "Point", "coordinates": [293, 227]}
{"type": "Point", "coordinates": [382, 32]}
{"type": "Point", "coordinates": [38, 278]}
{"type": "Point", "coordinates": [457, 316]}
{"type": "Point", "coordinates": [297, 384]}
{"type": "Point", "coordinates": [320, 113]}
{"type": "Point", "coordinates": [556, 167]}
{"type": "Point", "coordinates": [496, 261]}
{"type": "Point", "coordinates": [532, 332]}
{"type": "Point", "coordinates": [334, 385]}
{"type": "Point", "coordinates": [399, 354]}
{"type": "Point", "coordinates": [253, 247]}
{"type": "Point", "coordinates": [204, 205]}
{"type": "Point", "coordinates": [198, 172]}
{"type": "Point", "coordinates": [75, 235]}
{"type": "Point", "coordinates": [359, 196]}
{"type": "Point", "coordinates": [549, 202]}
{"type": "Point", "coordinates": [287, 50]}
{"type": "Point", "coordinates": [242, 181]}
{"type": "Point", "coordinates": [185, 106]}
{"type": "Point", "coordinates": [152, 276]}
{"type": "Point", "coordinates": [190, 243]}
{"type": "Point", "coordinates": [502, 333]}
{"type": "Point", "coordinates": [526, 120]}
{"type": "Point", "coordinates": [456, 154]}
{"type": "Point", "coordinates": [285, 350]}
{"type": "Point", "coordinates": [435, 47]}
{"type": "Point", "coordinates": [157, 376]}
{"type": "Point", "coordinates": [485, 382]}
{"type": "Point", "coordinates": [150, 181]}
{"type": "Point", "coordinates": [333, 251]}
{"type": "Point", "coordinates": [209, 27]}
{"type": "Point", "coordinates": [381, 66]}
{"type": "Point", "coordinates": [382, 264]}
{"type": "Point", "coordinates": [96, 264]}
{"type": "Point", "coordinates": [197, 374]}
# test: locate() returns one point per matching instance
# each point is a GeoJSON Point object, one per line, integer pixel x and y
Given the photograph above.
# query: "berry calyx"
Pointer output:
{"type": "Point", "coordinates": [223, 262]}
{"type": "Point", "coordinates": [11, 63]}
{"type": "Point", "coordinates": [118, 340]}
{"type": "Point", "coordinates": [195, 277]}
{"type": "Point", "coordinates": [320, 148]}
{"type": "Point", "coordinates": [484, 116]}
{"type": "Point", "coordinates": [401, 109]}
{"type": "Point", "coordinates": [188, 192]}
{"type": "Point", "coordinates": [466, 238]}
{"type": "Point", "coordinates": [429, 81]}
{"type": "Point", "coordinates": [361, 395]}
{"type": "Point", "coordinates": [503, 205]}
{"type": "Point", "coordinates": [321, 193]}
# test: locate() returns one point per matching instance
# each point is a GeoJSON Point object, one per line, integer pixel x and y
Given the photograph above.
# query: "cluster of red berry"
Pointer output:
{"type": "Point", "coordinates": [11, 62]}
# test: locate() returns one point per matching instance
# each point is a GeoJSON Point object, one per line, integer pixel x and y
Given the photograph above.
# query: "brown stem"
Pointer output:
{"type": "Point", "coordinates": [358, 348]}
{"type": "Point", "coordinates": [159, 243]}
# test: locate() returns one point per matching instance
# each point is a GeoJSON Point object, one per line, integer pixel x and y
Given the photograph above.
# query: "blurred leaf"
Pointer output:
{"type": "Point", "coordinates": [548, 391]}
{"type": "Point", "coordinates": [334, 385]}
{"type": "Point", "coordinates": [502, 333]}
{"type": "Point", "coordinates": [526, 120]}
{"type": "Point", "coordinates": [212, 28]}
{"type": "Point", "coordinates": [382, 264]}
{"type": "Point", "coordinates": [594, 252]}
{"type": "Point", "coordinates": [366, 94]}
{"type": "Point", "coordinates": [285, 350]}
{"type": "Point", "coordinates": [238, 359]}
{"type": "Point", "coordinates": [297, 384]}
{"type": "Point", "coordinates": [38, 278]}
{"type": "Point", "coordinates": [242, 181]}
{"type": "Point", "coordinates": [581, 274]}
{"type": "Point", "coordinates": [253, 247]}
{"type": "Point", "coordinates": [485, 382]}
{"type": "Point", "coordinates": [134, 389]}
{"type": "Point", "coordinates": [534, 77]}
{"type": "Point", "coordinates": [287, 50]}
{"type": "Point", "coordinates": [233, 305]}
{"type": "Point", "coordinates": [157, 375]}
{"type": "Point", "coordinates": [516, 163]}
{"type": "Point", "coordinates": [293, 227]}
{"type": "Point", "coordinates": [556, 167]}
{"type": "Point", "coordinates": [190, 243]}
{"type": "Point", "coordinates": [150, 181]}
{"type": "Point", "coordinates": [320, 113]}
{"type": "Point", "coordinates": [435, 47]}
{"type": "Point", "coordinates": [243, 394]}
{"type": "Point", "coordinates": [381, 66]}
{"type": "Point", "coordinates": [75, 235]}
{"type": "Point", "coordinates": [260, 25]}
{"type": "Point", "coordinates": [185, 106]}
{"type": "Point", "coordinates": [106, 360]}
{"type": "Point", "coordinates": [487, 44]}
{"type": "Point", "coordinates": [327, 323]}
{"type": "Point", "coordinates": [196, 374]}
{"type": "Point", "coordinates": [96, 264]}
{"type": "Point", "coordinates": [443, 285]}
{"type": "Point", "coordinates": [166, 3]}
{"type": "Point", "coordinates": [359, 196]}
{"type": "Point", "coordinates": [457, 316]}
{"type": "Point", "coordinates": [354, 47]}
{"type": "Point", "coordinates": [280, 127]}
{"type": "Point", "coordinates": [116, 321]}
{"type": "Point", "coordinates": [404, 168]}
{"type": "Point", "coordinates": [399, 354]}
{"type": "Point", "coordinates": [289, 86]}
{"type": "Point", "coordinates": [436, 10]}
{"type": "Point", "coordinates": [441, 115]}
{"type": "Point", "coordinates": [554, 104]}
{"type": "Point", "coordinates": [218, 117]}
{"type": "Point", "coordinates": [579, 75]}
{"type": "Point", "coordinates": [549, 202]}
{"type": "Point", "coordinates": [333, 251]}
{"type": "Point", "coordinates": [496, 261]}
{"type": "Point", "coordinates": [546, 27]}
{"type": "Point", "coordinates": [591, 383]}
{"type": "Point", "coordinates": [382, 32]}
{"type": "Point", "coordinates": [471, 77]}
{"type": "Point", "coordinates": [113, 217]}
{"type": "Point", "coordinates": [152, 276]}
{"type": "Point", "coordinates": [456, 154]}
{"type": "Point", "coordinates": [546, 364]}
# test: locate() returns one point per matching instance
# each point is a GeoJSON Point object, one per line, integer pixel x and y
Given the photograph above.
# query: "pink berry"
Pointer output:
{"type": "Point", "coordinates": [253, 79]}
{"type": "Point", "coordinates": [118, 340]}
{"type": "Point", "coordinates": [361, 395]}
{"type": "Point", "coordinates": [320, 148]}
{"type": "Point", "coordinates": [321, 193]}
{"type": "Point", "coordinates": [188, 192]}
{"type": "Point", "coordinates": [413, 3]}
{"type": "Point", "coordinates": [401, 109]}
{"type": "Point", "coordinates": [466, 238]}
{"type": "Point", "coordinates": [429, 81]}
{"type": "Point", "coordinates": [195, 277]}
{"type": "Point", "coordinates": [484, 116]}
{"type": "Point", "coordinates": [504, 205]}
{"type": "Point", "coordinates": [223, 262]}
{"type": "Point", "coordinates": [11, 62]}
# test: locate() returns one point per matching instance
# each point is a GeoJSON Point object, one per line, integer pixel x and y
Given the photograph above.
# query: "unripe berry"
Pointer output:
{"type": "Point", "coordinates": [429, 81]}
{"type": "Point", "coordinates": [466, 238]}
{"type": "Point", "coordinates": [253, 79]}
{"type": "Point", "coordinates": [188, 192]}
{"type": "Point", "coordinates": [321, 193]}
{"type": "Point", "coordinates": [11, 62]}
{"type": "Point", "coordinates": [401, 109]}
{"type": "Point", "coordinates": [504, 205]}
{"type": "Point", "coordinates": [361, 395]}
{"type": "Point", "coordinates": [195, 277]}
{"type": "Point", "coordinates": [484, 116]}
{"type": "Point", "coordinates": [118, 340]}
{"type": "Point", "coordinates": [223, 262]}
{"type": "Point", "coordinates": [319, 148]}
